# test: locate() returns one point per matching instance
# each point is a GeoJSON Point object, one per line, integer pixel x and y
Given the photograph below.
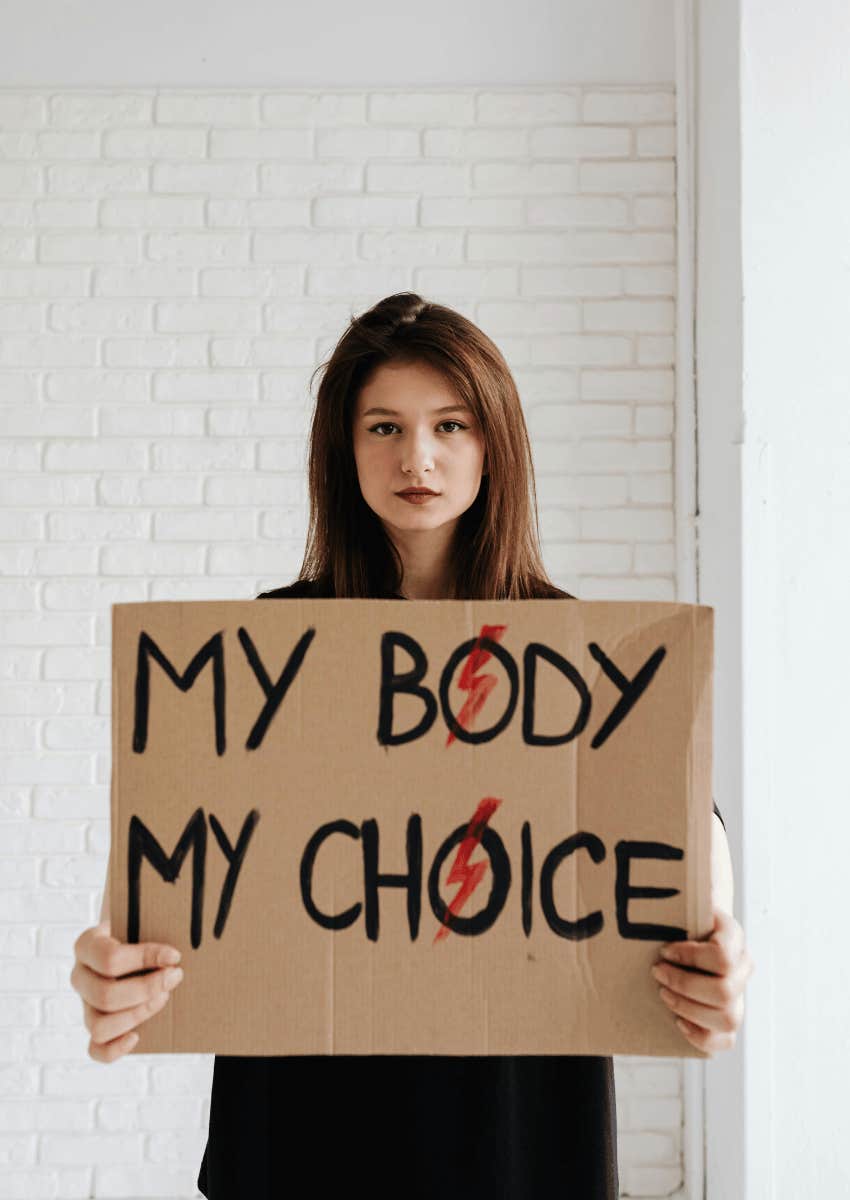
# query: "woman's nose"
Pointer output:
{"type": "Point", "coordinates": [418, 453]}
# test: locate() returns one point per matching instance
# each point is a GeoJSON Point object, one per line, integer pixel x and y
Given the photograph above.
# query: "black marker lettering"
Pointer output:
{"type": "Point", "coordinates": [625, 852]}
{"type": "Point", "coordinates": [148, 649]}
{"type": "Point", "coordinates": [632, 689]}
{"type": "Point", "coordinates": [143, 844]}
{"type": "Point", "coordinates": [533, 651]}
{"type": "Point", "coordinates": [458, 655]}
{"type": "Point", "coordinates": [235, 857]}
{"type": "Point", "coordinates": [407, 682]}
{"type": "Point", "coordinates": [308, 860]}
{"type": "Point", "coordinates": [527, 877]}
{"type": "Point", "coordinates": [584, 927]}
{"type": "Point", "coordinates": [274, 693]}
{"type": "Point", "coordinates": [500, 882]}
{"type": "Point", "coordinates": [372, 879]}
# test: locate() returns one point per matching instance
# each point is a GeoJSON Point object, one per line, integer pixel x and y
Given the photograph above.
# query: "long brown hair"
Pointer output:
{"type": "Point", "coordinates": [497, 549]}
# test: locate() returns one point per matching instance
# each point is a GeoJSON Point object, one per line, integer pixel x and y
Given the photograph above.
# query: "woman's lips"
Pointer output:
{"type": "Point", "coordinates": [417, 497]}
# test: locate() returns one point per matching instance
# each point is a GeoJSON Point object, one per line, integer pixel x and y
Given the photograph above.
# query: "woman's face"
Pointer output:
{"type": "Point", "coordinates": [410, 429]}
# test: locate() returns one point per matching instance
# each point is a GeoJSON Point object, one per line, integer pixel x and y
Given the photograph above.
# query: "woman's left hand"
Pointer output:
{"type": "Point", "coordinates": [708, 1000]}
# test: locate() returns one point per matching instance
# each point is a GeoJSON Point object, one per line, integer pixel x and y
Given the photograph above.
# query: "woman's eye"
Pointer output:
{"type": "Point", "coordinates": [392, 425]}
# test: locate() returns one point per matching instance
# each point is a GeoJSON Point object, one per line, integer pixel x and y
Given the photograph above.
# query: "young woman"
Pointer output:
{"type": "Point", "coordinates": [421, 487]}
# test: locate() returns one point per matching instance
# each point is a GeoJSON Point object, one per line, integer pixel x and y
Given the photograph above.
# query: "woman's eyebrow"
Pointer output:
{"type": "Point", "coordinates": [391, 412]}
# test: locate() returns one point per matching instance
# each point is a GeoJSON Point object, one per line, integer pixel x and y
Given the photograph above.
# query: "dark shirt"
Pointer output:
{"type": "Point", "coordinates": [441, 1127]}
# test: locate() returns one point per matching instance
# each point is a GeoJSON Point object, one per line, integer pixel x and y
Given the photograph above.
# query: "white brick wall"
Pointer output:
{"type": "Point", "coordinates": [172, 267]}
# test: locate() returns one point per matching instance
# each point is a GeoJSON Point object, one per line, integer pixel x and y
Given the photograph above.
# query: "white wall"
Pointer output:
{"type": "Point", "coordinates": [720, 428]}
{"type": "Point", "coordinates": [795, 233]}
{"type": "Point", "coordinates": [174, 263]}
{"type": "Point", "coordinates": [775, 509]}
{"type": "Point", "coordinates": [214, 43]}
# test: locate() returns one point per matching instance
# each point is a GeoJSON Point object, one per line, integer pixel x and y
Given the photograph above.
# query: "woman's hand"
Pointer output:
{"type": "Point", "coordinates": [116, 999]}
{"type": "Point", "coordinates": [708, 999]}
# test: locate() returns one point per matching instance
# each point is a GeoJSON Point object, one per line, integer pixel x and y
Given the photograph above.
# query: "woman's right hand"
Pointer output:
{"type": "Point", "coordinates": [115, 998]}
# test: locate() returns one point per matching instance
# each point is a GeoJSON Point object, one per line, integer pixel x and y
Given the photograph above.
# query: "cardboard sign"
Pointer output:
{"type": "Point", "coordinates": [412, 827]}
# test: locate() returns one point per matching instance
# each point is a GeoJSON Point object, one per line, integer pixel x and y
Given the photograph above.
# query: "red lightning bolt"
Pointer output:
{"type": "Point", "coordinates": [468, 876]}
{"type": "Point", "coordinates": [478, 686]}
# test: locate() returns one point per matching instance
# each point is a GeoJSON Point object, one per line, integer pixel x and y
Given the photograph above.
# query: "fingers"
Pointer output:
{"type": "Point", "coordinates": [98, 949]}
{"type": "Point", "coordinates": [707, 1040]}
{"type": "Point", "coordinates": [716, 991]}
{"type": "Point", "coordinates": [108, 1030]}
{"type": "Point", "coordinates": [702, 983]}
{"type": "Point", "coordinates": [718, 953]}
{"type": "Point", "coordinates": [121, 985]}
{"type": "Point", "coordinates": [114, 1050]}
{"type": "Point", "coordinates": [114, 995]}
{"type": "Point", "coordinates": [704, 1016]}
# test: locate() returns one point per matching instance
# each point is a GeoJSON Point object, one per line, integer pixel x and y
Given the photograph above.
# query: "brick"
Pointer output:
{"type": "Point", "coordinates": [255, 144]}
{"type": "Point", "coordinates": [22, 111]}
{"type": "Point", "coordinates": [311, 179]}
{"type": "Point", "coordinates": [200, 248]}
{"type": "Point", "coordinates": [580, 420]}
{"type": "Point", "coordinates": [17, 179]}
{"type": "Point", "coordinates": [88, 1148]}
{"type": "Point", "coordinates": [465, 211]}
{"type": "Point", "coordinates": [571, 281]}
{"type": "Point", "coordinates": [657, 176]}
{"type": "Point", "coordinates": [623, 247]}
{"type": "Point", "coordinates": [152, 211]}
{"type": "Point", "coordinates": [647, 386]}
{"type": "Point", "coordinates": [411, 248]}
{"type": "Point", "coordinates": [96, 316]}
{"type": "Point", "coordinates": [526, 247]}
{"type": "Point", "coordinates": [584, 557]}
{"type": "Point", "coordinates": [357, 211]}
{"type": "Point", "coordinates": [229, 178]}
{"type": "Point", "coordinates": [184, 109]}
{"type": "Point", "coordinates": [300, 247]}
{"type": "Point", "coordinates": [201, 316]}
{"type": "Point", "coordinates": [525, 178]}
{"type": "Point", "coordinates": [427, 179]}
{"type": "Point", "coordinates": [47, 282]}
{"type": "Point", "coordinates": [359, 144]}
{"type": "Point", "coordinates": [649, 281]}
{"type": "Point", "coordinates": [153, 281]}
{"type": "Point", "coordinates": [656, 141]}
{"type": "Point", "coordinates": [654, 420]}
{"type": "Point", "coordinates": [657, 212]}
{"type": "Point", "coordinates": [21, 318]}
{"type": "Point", "coordinates": [590, 211]}
{"type": "Point", "coordinates": [96, 179]}
{"type": "Point", "coordinates": [619, 106]}
{"type": "Point", "coordinates": [640, 316]}
{"type": "Point", "coordinates": [335, 281]}
{"type": "Point", "coordinates": [255, 214]}
{"type": "Point", "coordinates": [580, 141]}
{"type": "Point", "coordinates": [510, 107]}
{"type": "Point", "coordinates": [633, 524]}
{"type": "Point", "coordinates": [154, 143]}
{"type": "Point", "coordinates": [656, 351]}
{"type": "Point", "coordinates": [95, 454]}
{"type": "Point", "coordinates": [310, 108]}
{"type": "Point", "coordinates": [450, 142]}
{"type": "Point", "coordinates": [48, 350]}
{"type": "Point", "coordinates": [79, 110]}
{"type": "Point", "coordinates": [424, 108]}
{"type": "Point", "coordinates": [582, 349]}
